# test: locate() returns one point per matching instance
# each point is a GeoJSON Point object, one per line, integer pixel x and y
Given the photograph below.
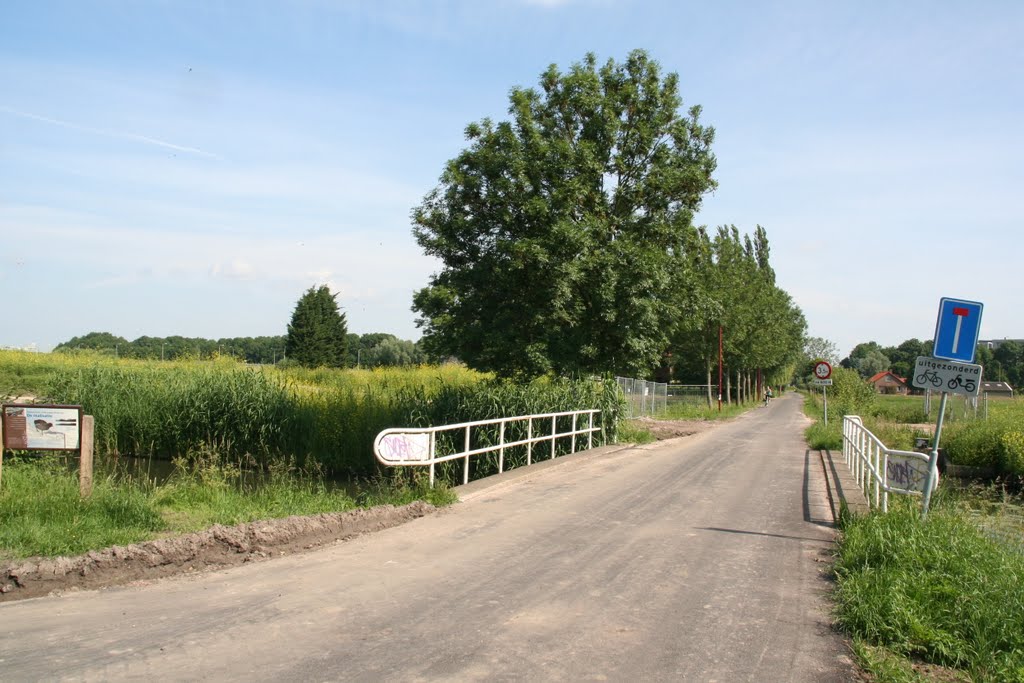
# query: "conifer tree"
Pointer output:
{"type": "Point", "coordinates": [318, 333]}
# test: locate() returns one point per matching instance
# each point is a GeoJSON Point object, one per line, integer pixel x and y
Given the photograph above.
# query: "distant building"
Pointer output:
{"type": "Point", "coordinates": [32, 348]}
{"type": "Point", "coordinates": [888, 383]}
{"type": "Point", "coordinates": [995, 389]}
{"type": "Point", "coordinates": [994, 344]}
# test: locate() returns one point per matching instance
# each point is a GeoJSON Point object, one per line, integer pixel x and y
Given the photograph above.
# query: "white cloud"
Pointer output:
{"type": "Point", "coordinates": [355, 264]}
{"type": "Point", "coordinates": [232, 270]}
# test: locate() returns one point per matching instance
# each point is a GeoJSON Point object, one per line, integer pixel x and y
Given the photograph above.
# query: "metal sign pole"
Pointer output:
{"type": "Point", "coordinates": [824, 397]}
{"type": "Point", "coordinates": [933, 462]}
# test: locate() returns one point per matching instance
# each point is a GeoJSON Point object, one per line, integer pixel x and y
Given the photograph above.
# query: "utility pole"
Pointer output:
{"type": "Point", "coordinates": [719, 368]}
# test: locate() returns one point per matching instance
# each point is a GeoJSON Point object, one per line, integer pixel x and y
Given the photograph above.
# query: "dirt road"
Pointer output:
{"type": "Point", "coordinates": [701, 559]}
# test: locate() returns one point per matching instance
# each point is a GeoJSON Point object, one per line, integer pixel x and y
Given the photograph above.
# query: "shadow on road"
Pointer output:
{"type": "Point", "coordinates": [763, 533]}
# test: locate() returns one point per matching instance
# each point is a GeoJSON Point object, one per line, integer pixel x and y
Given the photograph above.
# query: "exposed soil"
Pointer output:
{"type": "Point", "coordinates": [214, 548]}
{"type": "Point", "coordinates": [671, 429]}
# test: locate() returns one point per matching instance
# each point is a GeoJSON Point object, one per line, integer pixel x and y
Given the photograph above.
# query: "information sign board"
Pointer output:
{"type": "Point", "coordinates": [944, 375]}
{"type": "Point", "coordinates": [33, 427]}
{"type": "Point", "coordinates": [821, 382]}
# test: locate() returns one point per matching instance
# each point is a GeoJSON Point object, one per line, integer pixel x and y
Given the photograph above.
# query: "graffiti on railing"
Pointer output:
{"type": "Point", "coordinates": [904, 472]}
{"type": "Point", "coordinates": [404, 447]}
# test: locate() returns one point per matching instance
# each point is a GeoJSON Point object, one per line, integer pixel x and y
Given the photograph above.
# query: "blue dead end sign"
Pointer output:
{"type": "Point", "coordinates": [957, 329]}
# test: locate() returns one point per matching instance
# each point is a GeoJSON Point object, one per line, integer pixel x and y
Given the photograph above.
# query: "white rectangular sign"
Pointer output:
{"type": "Point", "coordinates": [946, 375]}
{"type": "Point", "coordinates": [907, 473]}
{"type": "Point", "coordinates": [398, 446]}
{"type": "Point", "coordinates": [821, 382]}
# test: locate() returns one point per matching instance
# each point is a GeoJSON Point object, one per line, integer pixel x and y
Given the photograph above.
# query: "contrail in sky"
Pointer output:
{"type": "Point", "coordinates": [110, 133]}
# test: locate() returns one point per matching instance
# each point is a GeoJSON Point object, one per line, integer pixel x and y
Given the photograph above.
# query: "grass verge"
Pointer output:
{"type": "Point", "coordinates": [41, 512]}
{"type": "Point", "coordinates": [632, 431]}
{"type": "Point", "coordinates": [930, 599]}
{"type": "Point", "coordinates": [679, 410]}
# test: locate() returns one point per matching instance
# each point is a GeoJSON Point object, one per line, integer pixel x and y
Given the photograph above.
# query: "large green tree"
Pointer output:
{"type": "Point", "coordinates": [1008, 357]}
{"type": "Point", "coordinates": [819, 348]}
{"type": "Point", "coordinates": [560, 231]}
{"type": "Point", "coordinates": [903, 358]}
{"type": "Point", "coordinates": [318, 334]}
{"type": "Point", "coordinates": [867, 358]}
{"type": "Point", "coordinates": [94, 341]}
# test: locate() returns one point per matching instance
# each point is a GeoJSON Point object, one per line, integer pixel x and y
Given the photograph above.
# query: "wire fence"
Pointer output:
{"type": "Point", "coordinates": [643, 397]}
{"type": "Point", "coordinates": [691, 394]}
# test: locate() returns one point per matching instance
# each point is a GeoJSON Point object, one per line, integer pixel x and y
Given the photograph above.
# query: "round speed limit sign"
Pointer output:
{"type": "Point", "coordinates": [822, 369]}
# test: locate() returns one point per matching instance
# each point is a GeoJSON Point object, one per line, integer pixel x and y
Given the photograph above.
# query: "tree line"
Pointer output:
{"type": "Point", "coordinates": [375, 349]}
{"type": "Point", "coordinates": [1005, 363]}
{"type": "Point", "coordinates": [568, 247]}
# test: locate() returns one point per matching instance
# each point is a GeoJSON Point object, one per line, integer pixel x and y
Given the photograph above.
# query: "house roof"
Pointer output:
{"type": "Point", "coordinates": [996, 386]}
{"type": "Point", "coordinates": [887, 372]}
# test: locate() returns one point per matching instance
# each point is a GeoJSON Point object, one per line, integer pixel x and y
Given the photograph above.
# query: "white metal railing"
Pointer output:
{"type": "Point", "coordinates": [417, 446]}
{"type": "Point", "coordinates": [880, 470]}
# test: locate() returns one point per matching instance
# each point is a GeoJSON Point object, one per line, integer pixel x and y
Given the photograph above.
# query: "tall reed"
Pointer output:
{"type": "Point", "coordinates": [330, 417]}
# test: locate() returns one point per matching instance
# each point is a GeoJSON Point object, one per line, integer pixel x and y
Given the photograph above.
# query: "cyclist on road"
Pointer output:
{"type": "Point", "coordinates": [767, 394]}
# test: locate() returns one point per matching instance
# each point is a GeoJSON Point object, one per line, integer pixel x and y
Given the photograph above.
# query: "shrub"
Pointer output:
{"type": "Point", "coordinates": [1012, 442]}
{"type": "Point", "coordinates": [975, 444]}
{"type": "Point", "coordinates": [849, 394]}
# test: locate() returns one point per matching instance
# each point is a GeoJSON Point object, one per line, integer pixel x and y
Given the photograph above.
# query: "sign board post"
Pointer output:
{"type": "Point", "coordinates": [951, 370]}
{"type": "Point", "coordinates": [823, 378]}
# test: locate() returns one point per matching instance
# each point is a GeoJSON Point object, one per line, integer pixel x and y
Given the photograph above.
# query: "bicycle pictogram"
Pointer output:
{"type": "Point", "coordinates": [930, 376]}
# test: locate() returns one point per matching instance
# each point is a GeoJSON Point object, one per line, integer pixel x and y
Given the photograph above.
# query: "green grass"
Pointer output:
{"type": "Point", "coordinates": [41, 512]}
{"type": "Point", "coordinates": [819, 436]}
{"type": "Point", "coordinates": [878, 418]}
{"type": "Point", "coordinates": [935, 591]}
{"type": "Point", "coordinates": [905, 409]}
{"type": "Point", "coordinates": [690, 410]}
{"type": "Point", "coordinates": [632, 431]}
{"type": "Point", "coordinates": [23, 373]}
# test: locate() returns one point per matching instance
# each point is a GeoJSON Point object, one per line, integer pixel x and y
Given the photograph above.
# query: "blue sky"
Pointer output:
{"type": "Point", "coordinates": [193, 167]}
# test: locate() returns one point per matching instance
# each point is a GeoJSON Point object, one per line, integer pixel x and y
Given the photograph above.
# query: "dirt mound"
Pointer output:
{"type": "Point", "coordinates": [214, 548]}
{"type": "Point", "coordinates": [671, 429]}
